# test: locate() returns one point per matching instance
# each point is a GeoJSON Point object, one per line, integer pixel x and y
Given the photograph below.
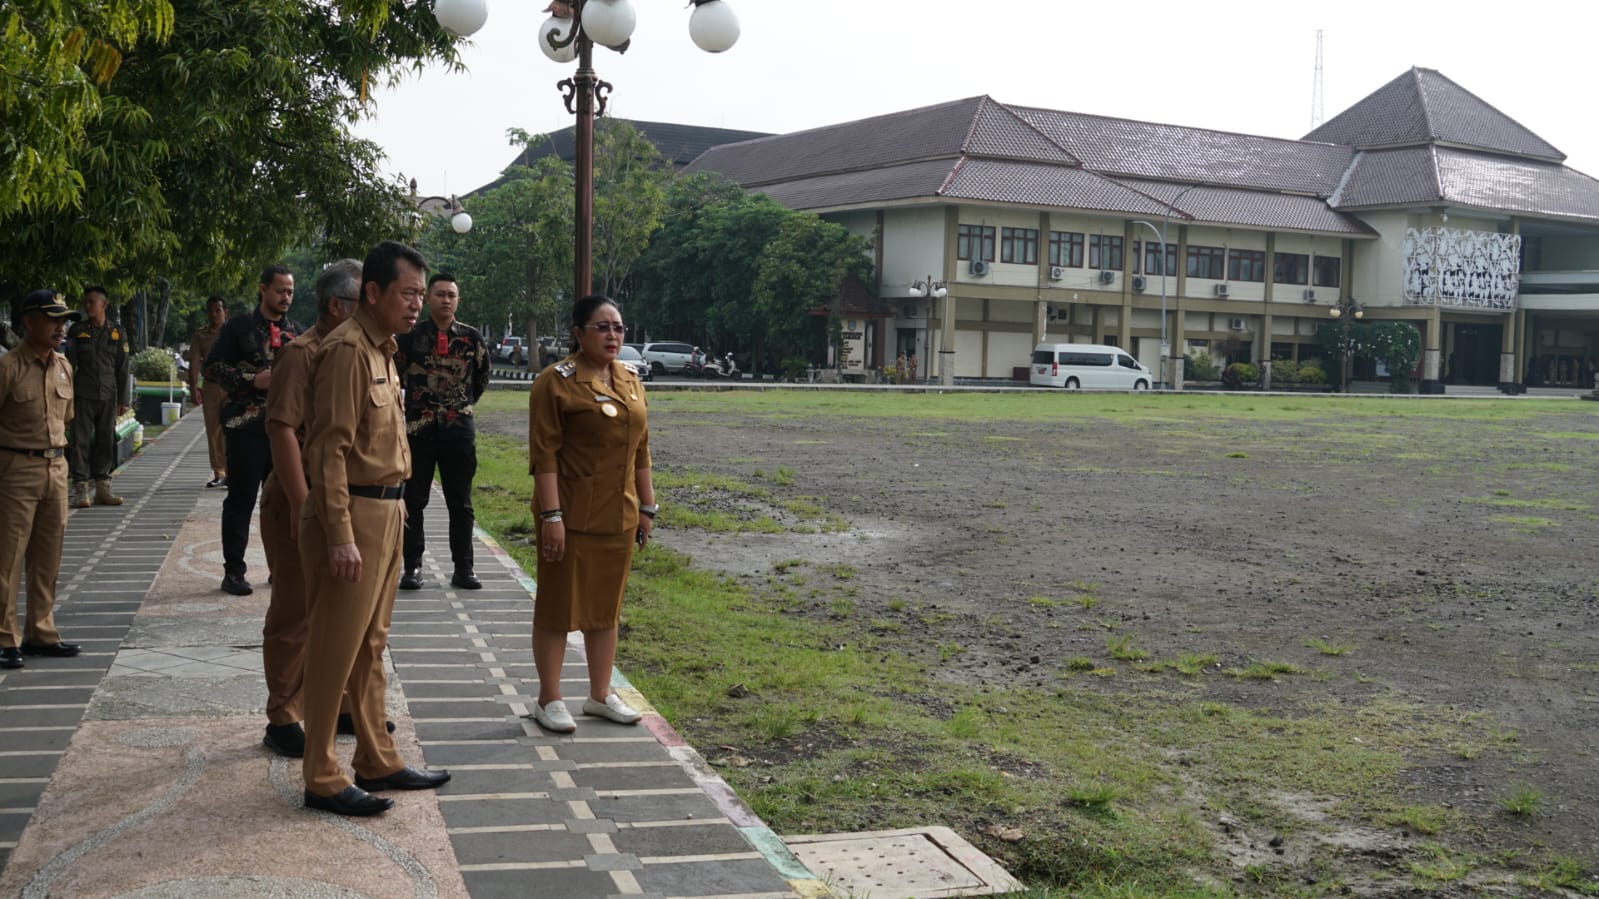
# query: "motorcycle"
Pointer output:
{"type": "Point", "coordinates": [726, 367]}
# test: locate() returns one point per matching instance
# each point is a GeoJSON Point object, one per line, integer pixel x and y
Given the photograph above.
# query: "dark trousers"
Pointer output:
{"type": "Point", "coordinates": [456, 461]}
{"type": "Point", "coordinates": [94, 439]}
{"type": "Point", "coordinates": [249, 462]}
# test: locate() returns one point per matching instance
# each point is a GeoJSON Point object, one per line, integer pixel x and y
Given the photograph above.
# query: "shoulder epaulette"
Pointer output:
{"type": "Point", "coordinates": [566, 369]}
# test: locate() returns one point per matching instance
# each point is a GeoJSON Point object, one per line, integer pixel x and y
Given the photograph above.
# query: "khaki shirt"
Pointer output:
{"type": "Point", "coordinates": [199, 348]}
{"type": "Point", "coordinates": [35, 399]}
{"type": "Point", "coordinates": [356, 426]}
{"type": "Point", "coordinates": [595, 439]}
{"type": "Point", "coordinates": [289, 396]}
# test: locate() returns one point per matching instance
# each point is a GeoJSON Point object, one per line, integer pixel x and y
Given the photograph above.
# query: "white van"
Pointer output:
{"type": "Point", "coordinates": [1087, 366]}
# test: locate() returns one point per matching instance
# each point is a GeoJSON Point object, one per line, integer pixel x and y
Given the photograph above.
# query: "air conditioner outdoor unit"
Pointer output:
{"type": "Point", "coordinates": [1106, 277]}
{"type": "Point", "coordinates": [1139, 283]}
{"type": "Point", "coordinates": [1221, 290]}
{"type": "Point", "coordinates": [1057, 272]}
{"type": "Point", "coordinates": [1310, 295]}
{"type": "Point", "coordinates": [979, 267]}
{"type": "Point", "coordinates": [1237, 324]}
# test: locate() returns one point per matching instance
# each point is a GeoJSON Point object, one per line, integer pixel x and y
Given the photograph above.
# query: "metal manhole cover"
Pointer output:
{"type": "Point", "coordinates": [921, 862]}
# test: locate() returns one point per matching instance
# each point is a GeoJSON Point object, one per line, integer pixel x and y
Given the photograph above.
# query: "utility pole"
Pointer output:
{"type": "Point", "coordinates": [1316, 113]}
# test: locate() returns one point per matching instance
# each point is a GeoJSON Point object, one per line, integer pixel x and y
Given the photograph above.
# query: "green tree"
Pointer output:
{"type": "Point", "coordinates": [218, 148]}
{"type": "Point", "coordinates": [804, 267]}
{"type": "Point", "coordinates": [629, 200]}
{"type": "Point", "coordinates": [1398, 346]}
{"type": "Point", "coordinates": [516, 262]}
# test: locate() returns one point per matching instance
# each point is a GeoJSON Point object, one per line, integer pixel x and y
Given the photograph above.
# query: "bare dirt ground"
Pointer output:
{"type": "Point", "coordinates": [1454, 557]}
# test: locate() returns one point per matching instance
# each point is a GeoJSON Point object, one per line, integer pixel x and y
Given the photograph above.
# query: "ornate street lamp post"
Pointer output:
{"type": "Point", "coordinates": [1160, 235]}
{"type": "Point", "coordinates": [571, 32]}
{"type": "Point", "coordinates": [461, 220]}
{"type": "Point", "coordinates": [1338, 313]}
{"type": "Point", "coordinates": [938, 290]}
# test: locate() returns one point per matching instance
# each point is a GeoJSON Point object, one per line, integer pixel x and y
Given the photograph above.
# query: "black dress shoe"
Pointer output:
{"type": "Point", "coordinates": [287, 740]}
{"type": "Point", "coordinates": [352, 801]}
{"type": "Point", "coordinates": [404, 779]}
{"type": "Point", "coordinates": [237, 585]}
{"type": "Point", "coordinates": [466, 580]}
{"type": "Point", "coordinates": [346, 725]}
{"type": "Point", "coordinates": [218, 481]}
{"type": "Point", "coordinates": [411, 579]}
{"type": "Point", "coordinates": [58, 650]}
{"type": "Point", "coordinates": [10, 657]}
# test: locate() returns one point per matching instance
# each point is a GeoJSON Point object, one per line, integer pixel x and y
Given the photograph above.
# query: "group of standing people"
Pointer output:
{"type": "Point", "coordinates": [312, 422]}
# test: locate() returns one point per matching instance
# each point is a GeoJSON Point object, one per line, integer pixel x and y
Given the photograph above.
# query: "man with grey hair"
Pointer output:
{"type": "Point", "coordinates": [283, 634]}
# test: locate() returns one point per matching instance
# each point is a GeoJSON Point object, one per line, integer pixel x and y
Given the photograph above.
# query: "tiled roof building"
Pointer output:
{"type": "Point", "coordinates": [1421, 202]}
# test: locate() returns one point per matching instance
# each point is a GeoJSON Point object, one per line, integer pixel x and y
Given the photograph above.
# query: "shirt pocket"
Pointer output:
{"type": "Point", "coordinates": [381, 415]}
{"type": "Point", "coordinates": [593, 505]}
{"type": "Point", "coordinates": [27, 390]}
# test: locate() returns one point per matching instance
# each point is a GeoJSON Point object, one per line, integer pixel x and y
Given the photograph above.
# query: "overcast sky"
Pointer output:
{"type": "Point", "coordinates": [1245, 67]}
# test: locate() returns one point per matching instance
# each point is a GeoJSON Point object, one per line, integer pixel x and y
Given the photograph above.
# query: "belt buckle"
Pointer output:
{"type": "Point", "coordinates": [54, 452]}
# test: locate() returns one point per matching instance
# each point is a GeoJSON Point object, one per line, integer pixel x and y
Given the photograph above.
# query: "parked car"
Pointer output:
{"type": "Point", "coordinates": [666, 356]}
{"type": "Point", "coordinates": [635, 359]}
{"type": "Point", "coordinates": [553, 350]}
{"type": "Point", "coordinates": [1087, 365]}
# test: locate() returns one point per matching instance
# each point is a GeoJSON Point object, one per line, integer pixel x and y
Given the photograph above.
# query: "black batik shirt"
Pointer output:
{"type": "Point", "coordinates": [244, 347]}
{"type": "Point", "coordinates": [444, 373]}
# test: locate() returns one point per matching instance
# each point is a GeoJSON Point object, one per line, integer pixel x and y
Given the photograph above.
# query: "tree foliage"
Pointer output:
{"type": "Point", "coordinates": [222, 142]}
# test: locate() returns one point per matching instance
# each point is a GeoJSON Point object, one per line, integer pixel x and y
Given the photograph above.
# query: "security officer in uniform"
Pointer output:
{"type": "Point", "coordinates": [207, 393]}
{"type": "Point", "coordinates": [283, 634]}
{"type": "Point", "coordinates": [241, 361]}
{"type": "Point", "coordinates": [445, 368]}
{"type": "Point", "coordinates": [350, 530]}
{"type": "Point", "coordinates": [36, 391]}
{"type": "Point", "coordinates": [99, 354]}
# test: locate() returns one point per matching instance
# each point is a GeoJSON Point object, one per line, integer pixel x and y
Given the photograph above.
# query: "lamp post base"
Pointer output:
{"type": "Point", "coordinates": [1432, 387]}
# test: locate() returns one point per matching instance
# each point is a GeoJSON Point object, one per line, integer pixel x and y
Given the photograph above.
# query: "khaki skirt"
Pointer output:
{"type": "Point", "coordinates": [583, 591]}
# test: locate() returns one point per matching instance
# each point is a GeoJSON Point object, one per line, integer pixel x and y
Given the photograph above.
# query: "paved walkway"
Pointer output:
{"type": "Point", "coordinates": [136, 770]}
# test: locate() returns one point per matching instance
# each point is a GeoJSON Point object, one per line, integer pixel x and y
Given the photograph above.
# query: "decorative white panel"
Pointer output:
{"type": "Point", "coordinates": [1457, 267]}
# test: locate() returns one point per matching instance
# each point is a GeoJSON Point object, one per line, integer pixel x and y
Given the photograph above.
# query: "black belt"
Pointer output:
{"type": "Point", "coordinates": [378, 491]}
{"type": "Point", "coordinates": [54, 452]}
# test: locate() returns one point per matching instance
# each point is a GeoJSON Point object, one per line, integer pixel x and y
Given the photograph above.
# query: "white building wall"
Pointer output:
{"type": "Point", "coordinates": [1002, 273]}
{"type": "Point", "coordinates": [913, 247]}
{"type": "Point", "coordinates": [1379, 265]}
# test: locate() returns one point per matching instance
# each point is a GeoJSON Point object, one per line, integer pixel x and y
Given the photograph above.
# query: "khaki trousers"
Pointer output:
{"type": "Point", "coordinates": [283, 633]}
{"type": "Point", "coordinates": [33, 522]}
{"type": "Point", "coordinates": [214, 397]}
{"type": "Point", "coordinates": [349, 628]}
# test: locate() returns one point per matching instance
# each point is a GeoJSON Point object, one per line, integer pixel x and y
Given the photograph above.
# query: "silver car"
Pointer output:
{"type": "Point", "coordinates": [635, 359]}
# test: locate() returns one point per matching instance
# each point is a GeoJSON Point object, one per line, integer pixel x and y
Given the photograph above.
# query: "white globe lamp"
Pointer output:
{"type": "Point", "coordinates": [461, 222]}
{"type": "Point", "coordinates": [461, 18]}
{"type": "Point", "coordinates": [560, 29]}
{"type": "Point", "coordinates": [713, 26]}
{"type": "Point", "coordinates": [608, 23]}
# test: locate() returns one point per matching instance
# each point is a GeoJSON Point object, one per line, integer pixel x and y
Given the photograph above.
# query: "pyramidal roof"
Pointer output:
{"type": "Point", "coordinates": [1422, 106]}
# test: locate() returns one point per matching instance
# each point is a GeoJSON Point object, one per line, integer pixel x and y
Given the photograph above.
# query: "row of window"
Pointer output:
{"type": "Point", "coordinates": [1104, 252]}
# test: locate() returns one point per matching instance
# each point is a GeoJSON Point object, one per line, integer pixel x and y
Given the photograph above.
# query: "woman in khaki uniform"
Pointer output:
{"type": "Point", "coordinates": [589, 454]}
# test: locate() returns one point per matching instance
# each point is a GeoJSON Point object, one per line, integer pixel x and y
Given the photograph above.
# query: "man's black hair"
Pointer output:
{"type": "Point", "coordinates": [380, 266]}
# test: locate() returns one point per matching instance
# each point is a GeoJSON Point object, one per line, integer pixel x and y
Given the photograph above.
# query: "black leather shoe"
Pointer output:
{"type": "Point", "coordinates": [411, 579]}
{"type": "Point", "coordinates": [352, 801]}
{"type": "Point", "coordinates": [10, 657]}
{"type": "Point", "coordinates": [287, 740]}
{"type": "Point", "coordinates": [346, 725]}
{"type": "Point", "coordinates": [466, 580]}
{"type": "Point", "coordinates": [58, 650]}
{"type": "Point", "coordinates": [217, 482]}
{"type": "Point", "coordinates": [237, 585]}
{"type": "Point", "coordinates": [404, 779]}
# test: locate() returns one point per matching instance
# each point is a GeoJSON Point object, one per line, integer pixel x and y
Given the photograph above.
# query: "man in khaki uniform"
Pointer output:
{"type": "Point", "coordinates": [283, 634]}
{"type": "Point", "coordinates": [350, 530]}
{"type": "Point", "coordinates": [207, 395]}
{"type": "Point", "coordinates": [35, 405]}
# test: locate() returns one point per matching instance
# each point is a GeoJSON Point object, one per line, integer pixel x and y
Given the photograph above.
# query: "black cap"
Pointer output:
{"type": "Point", "coordinates": [50, 303]}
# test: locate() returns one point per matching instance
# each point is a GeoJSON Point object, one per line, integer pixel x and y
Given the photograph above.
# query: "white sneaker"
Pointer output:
{"type": "Point", "coordinates": [554, 717]}
{"type": "Point", "coordinates": [613, 708]}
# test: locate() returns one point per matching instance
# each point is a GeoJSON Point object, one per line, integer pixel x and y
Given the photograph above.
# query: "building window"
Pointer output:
{"type": "Point", "coordinates": [1246, 265]}
{"type": "Point", "coordinates": [1290, 268]}
{"type": "Point", "coordinates": [1207, 262]}
{"type": "Point", "coordinates": [1018, 245]}
{"type": "Point", "coordinates": [1105, 252]}
{"type": "Point", "coordinates": [975, 242]}
{"type": "Point", "coordinates": [1066, 248]}
{"type": "Point", "coordinates": [1150, 254]}
{"type": "Point", "coordinates": [1327, 270]}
